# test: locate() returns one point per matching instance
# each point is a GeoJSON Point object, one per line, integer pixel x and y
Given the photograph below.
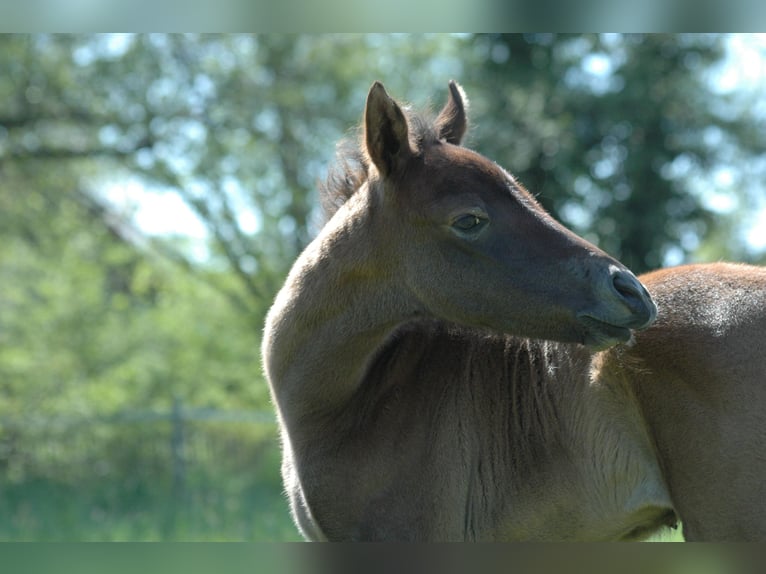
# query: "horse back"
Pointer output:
{"type": "Point", "coordinates": [698, 377]}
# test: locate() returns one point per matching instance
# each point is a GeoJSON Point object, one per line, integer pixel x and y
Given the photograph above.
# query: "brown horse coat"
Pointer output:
{"type": "Point", "coordinates": [450, 363]}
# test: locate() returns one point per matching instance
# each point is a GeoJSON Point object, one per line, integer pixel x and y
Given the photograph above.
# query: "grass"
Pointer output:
{"type": "Point", "coordinates": [229, 489]}
{"type": "Point", "coordinates": [211, 506]}
{"type": "Point", "coordinates": [668, 535]}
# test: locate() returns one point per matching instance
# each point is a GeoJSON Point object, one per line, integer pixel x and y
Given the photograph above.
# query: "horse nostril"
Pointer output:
{"type": "Point", "coordinates": [627, 288]}
{"type": "Point", "coordinates": [634, 296]}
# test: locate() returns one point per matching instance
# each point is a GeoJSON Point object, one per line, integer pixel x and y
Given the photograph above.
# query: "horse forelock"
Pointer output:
{"type": "Point", "coordinates": [352, 166]}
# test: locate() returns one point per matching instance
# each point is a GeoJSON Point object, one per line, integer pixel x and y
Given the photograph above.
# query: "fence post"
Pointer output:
{"type": "Point", "coordinates": [178, 461]}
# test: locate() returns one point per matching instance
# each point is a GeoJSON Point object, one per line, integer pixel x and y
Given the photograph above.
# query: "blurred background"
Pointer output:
{"type": "Point", "coordinates": [155, 189]}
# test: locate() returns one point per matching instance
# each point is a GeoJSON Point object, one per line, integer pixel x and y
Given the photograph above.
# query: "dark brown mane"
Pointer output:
{"type": "Point", "coordinates": [350, 169]}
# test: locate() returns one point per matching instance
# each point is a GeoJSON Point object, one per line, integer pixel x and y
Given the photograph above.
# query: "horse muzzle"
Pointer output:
{"type": "Point", "coordinates": [624, 305]}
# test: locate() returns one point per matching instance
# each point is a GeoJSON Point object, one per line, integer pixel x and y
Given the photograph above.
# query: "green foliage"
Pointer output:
{"type": "Point", "coordinates": [89, 324]}
{"type": "Point", "coordinates": [93, 326]}
{"type": "Point", "coordinates": [240, 126]}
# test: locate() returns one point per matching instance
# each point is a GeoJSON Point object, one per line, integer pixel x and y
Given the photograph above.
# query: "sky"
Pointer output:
{"type": "Point", "coordinates": [743, 72]}
{"type": "Point", "coordinates": [150, 209]}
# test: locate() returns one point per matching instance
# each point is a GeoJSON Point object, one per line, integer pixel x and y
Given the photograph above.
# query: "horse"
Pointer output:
{"type": "Point", "coordinates": [450, 363]}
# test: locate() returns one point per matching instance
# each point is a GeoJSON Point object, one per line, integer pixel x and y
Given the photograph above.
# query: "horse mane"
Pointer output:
{"type": "Point", "coordinates": [513, 384]}
{"type": "Point", "coordinates": [351, 168]}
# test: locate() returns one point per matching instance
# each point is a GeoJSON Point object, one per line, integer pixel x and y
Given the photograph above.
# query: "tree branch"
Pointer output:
{"type": "Point", "coordinates": [128, 233]}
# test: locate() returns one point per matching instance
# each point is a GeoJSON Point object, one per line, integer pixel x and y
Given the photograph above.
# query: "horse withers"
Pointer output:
{"type": "Point", "coordinates": [450, 363]}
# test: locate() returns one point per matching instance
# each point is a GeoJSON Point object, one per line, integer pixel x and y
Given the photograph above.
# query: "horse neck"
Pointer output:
{"type": "Point", "coordinates": [337, 307]}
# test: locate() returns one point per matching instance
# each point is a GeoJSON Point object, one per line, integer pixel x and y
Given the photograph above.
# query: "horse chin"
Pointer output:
{"type": "Point", "coordinates": [599, 335]}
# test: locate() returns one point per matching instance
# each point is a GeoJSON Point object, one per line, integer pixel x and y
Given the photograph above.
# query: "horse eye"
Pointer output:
{"type": "Point", "coordinates": [468, 223]}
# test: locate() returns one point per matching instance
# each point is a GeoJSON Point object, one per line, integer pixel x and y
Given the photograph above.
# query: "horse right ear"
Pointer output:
{"type": "Point", "coordinates": [385, 132]}
{"type": "Point", "coordinates": [453, 119]}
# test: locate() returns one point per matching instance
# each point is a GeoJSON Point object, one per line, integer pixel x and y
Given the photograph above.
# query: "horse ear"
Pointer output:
{"type": "Point", "coordinates": [385, 131]}
{"type": "Point", "coordinates": [452, 121]}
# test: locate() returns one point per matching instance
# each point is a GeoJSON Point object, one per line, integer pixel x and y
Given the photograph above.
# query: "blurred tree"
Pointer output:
{"type": "Point", "coordinates": [608, 131]}
{"type": "Point", "coordinates": [240, 126]}
{"type": "Point", "coordinates": [89, 323]}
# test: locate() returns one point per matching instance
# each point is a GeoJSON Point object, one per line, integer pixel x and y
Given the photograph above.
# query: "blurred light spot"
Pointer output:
{"type": "Point", "coordinates": [756, 236]}
{"type": "Point", "coordinates": [500, 53]}
{"type": "Point", "coordinates": [597, 64]}
{"type": "Point", "coordinates": [34, 95]}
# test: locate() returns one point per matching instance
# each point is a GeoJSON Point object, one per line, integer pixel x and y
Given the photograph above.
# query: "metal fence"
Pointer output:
{"type": "Point", "coordinates": [210, 468]}
{"type": "Point", "coordinates": [179, 435]}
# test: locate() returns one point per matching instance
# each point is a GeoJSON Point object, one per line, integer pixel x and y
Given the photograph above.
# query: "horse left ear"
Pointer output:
{"type": "Point", "coordinates": [452, 121]}
{"type": "Point", "coordinates": [386, 132]}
